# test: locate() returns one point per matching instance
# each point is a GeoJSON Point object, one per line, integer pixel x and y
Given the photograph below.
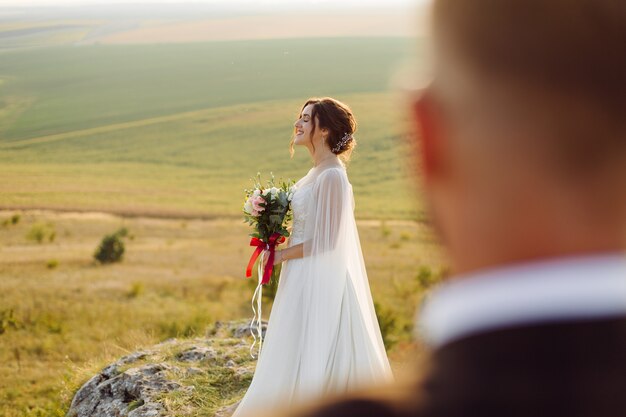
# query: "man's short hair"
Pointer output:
{"type": "Point", "coordinates": [574, 50]}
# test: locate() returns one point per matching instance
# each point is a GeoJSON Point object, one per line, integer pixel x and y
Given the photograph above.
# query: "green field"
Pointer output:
{"type": "Point", "coordinates": [180, 129]}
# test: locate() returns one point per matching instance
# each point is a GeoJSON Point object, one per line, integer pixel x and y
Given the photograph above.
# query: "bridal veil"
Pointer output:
{"type": "Point", "coordinates": [333, 271]}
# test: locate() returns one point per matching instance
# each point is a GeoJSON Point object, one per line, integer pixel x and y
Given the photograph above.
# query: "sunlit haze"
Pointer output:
{"type": "Point", "coordinates": [267, 3]}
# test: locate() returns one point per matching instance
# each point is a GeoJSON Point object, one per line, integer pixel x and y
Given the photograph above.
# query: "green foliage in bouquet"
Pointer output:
{"type": "Point", "coordinates": [275, 201]}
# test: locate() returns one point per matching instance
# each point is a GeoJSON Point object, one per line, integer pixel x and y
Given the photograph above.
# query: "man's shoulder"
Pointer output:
{"type": "Point", "coordinates": [398, 399]}
{"type": "Point", "coordinates": [362, 407]}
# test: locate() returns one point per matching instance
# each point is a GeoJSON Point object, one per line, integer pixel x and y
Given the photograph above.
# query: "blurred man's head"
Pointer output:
{"type": "Point", "coordinates": [522, 132]}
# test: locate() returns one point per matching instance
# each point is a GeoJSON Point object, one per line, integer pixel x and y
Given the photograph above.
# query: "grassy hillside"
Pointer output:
{"type": "Point", "coordinates": [180, 129]}
{"type": "Point", "coordinates": [72, 317]}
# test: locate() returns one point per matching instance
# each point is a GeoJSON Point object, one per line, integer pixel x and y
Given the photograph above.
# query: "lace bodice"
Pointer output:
{"type": "Point", "coordinates": [301, 200]}
{"type": "Point", "coordinates": [299, 205]}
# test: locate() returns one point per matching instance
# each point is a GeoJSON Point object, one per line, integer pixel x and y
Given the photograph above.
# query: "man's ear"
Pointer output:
{"type": "Point", "coordinates": [427, 135]}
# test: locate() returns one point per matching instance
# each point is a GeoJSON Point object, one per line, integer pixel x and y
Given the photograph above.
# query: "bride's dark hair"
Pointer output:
{"type": "Point", "coordinates": [335, 116]}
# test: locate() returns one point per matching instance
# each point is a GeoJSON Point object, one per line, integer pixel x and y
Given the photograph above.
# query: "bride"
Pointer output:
{"type": "Point", "coordinates": [322, 336]}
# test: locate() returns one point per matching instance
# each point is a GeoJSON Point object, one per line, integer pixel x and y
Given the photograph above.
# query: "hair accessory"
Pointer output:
{"type": "Point", "coordinates": [345, 139]}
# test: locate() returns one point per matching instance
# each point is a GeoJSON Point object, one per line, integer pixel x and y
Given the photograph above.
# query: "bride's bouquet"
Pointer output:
{"type": "Point", "coordinates": [268, 210]}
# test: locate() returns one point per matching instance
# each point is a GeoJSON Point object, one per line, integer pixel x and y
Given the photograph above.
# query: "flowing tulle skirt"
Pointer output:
{"type": "Point", "coordinates": [280, 378]}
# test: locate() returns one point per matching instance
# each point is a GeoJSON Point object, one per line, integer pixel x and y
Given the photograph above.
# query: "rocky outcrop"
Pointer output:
{"type": "Point", "coordinates": [200, 376]}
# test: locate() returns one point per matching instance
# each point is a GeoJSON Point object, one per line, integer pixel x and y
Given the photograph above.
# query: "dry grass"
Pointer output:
{"type": "Point", "coordinates": [177, 278]}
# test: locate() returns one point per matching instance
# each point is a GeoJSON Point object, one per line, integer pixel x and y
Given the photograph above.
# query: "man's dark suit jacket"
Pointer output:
{"type": "Point", "coordinates": [567, 369]}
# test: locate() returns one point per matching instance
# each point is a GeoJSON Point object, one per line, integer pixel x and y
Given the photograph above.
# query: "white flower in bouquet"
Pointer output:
{"type": "Point", "coordinates": [247, 207]}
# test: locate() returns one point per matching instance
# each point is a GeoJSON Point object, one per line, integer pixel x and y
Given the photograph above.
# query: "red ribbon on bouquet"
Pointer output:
{"type": "Point", "coordinates": [275, 240]}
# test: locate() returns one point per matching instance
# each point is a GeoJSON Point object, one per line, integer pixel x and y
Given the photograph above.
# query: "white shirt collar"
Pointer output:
{"type": "Point", "coordinates": [559, 289]}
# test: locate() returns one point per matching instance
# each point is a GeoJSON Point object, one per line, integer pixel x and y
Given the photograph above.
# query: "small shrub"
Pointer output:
{"type": "Point", "coordinates": [405, 236]}
{"type": "Point", "coordinates": [40, 232]}
{"type": "Point", "coordinates": [136, 290]}
{"type": "Point", "coordinates": [52, 263]}
{"type": "Point", "coordinates": [424, 276]}
{"type": "Point", "coordinates": [387, 323]}
{"type": "Point", "coordinates": [384, 229]}
{"type": "Point", "coordinates": [51, 323]}
{"type": "Point", "coordinates": [111, 247]}
{"type": "Point", "coordinates": [7, 321]}
{"type": "Point", "coordinates": [36, 233]}
{"type": "Point", "coordinates": [13, 220]}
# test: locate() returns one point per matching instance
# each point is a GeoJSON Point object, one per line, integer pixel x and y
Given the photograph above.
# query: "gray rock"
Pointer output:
{"type": "Point", "coordinates": [245, 330]}
{"type": "Point", "coordinates": [196, 353]}
{"type": "Point", "coordinates": [132, 385]}
{"type": "Point", "coordinates": [129, 393]}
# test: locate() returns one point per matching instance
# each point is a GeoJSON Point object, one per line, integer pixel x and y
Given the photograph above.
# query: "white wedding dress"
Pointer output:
{"type": "Point", "coordinates": [322, 335]}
